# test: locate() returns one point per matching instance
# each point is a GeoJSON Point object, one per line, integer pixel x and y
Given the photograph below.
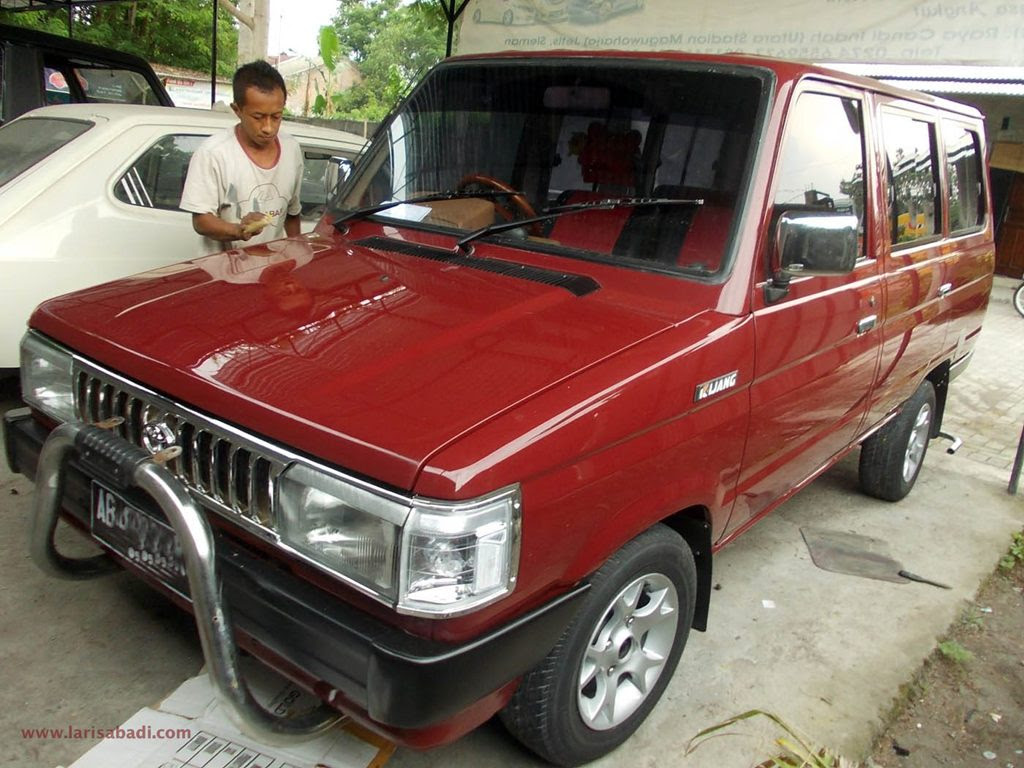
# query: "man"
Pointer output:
{"type": "Point", "coordinates": [243, 184]}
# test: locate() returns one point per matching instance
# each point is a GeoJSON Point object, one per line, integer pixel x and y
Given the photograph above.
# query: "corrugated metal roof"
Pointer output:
{"type": "Point", "coordinates": [944, 78]}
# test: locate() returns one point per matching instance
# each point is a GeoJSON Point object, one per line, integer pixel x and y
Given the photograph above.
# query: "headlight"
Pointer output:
{"type": "Point", "coordinates": [350, 530]}
{"type": "Point", "coordinates": [47, 383]}
{"type": "Point", "coordinates": [425, 558]}
{"type": "Point", "coordinates": [457, 556]}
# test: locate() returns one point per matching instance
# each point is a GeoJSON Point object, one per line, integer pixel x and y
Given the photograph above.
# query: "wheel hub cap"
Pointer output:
{"type": "Point", "coordinates": [628, 650]}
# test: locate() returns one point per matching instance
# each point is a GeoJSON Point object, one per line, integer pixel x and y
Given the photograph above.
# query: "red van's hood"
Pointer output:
{"type": "Point", "coordinates": [365, 357]}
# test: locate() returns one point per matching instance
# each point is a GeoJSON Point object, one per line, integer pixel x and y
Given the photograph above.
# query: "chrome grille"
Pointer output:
{"type": "Point", "coordinates": [215, 466]}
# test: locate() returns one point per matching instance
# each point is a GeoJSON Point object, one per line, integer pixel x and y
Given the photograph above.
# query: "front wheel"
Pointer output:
{"type": "Point", "coordinates": [1018, 299]}
{"type": "Point", "coordinates": [613, 662]}
{"type": "Point", "coordinates": [891, 459]}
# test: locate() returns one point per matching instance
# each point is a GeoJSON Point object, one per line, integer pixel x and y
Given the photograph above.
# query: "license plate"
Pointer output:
{"type": "Point", "coordinates": [138, 537]}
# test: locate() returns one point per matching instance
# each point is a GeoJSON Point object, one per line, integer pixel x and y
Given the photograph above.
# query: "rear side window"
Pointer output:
{"type": "Point", "coordinates": [913, 172]}
{"type": "Point", "coordinates": [822, 163]}
{"type": "Point", "coordinates": [23, 143]}
{"type": "Point", "coordinates": [964, 173]}
{"type": "Point", "coordinates": [156, 179]}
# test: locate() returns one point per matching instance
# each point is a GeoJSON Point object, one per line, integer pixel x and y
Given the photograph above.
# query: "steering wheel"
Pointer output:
{"type": "Point", "coordinates": [517, 202]}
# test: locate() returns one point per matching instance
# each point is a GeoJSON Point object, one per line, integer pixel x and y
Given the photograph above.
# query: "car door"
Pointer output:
{"type": "Point", "coordinates": [817, 340]}
{"type": "Point", "coordinates": [914, 252]}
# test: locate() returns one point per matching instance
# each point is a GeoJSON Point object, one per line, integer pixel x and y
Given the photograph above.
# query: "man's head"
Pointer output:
{"type": "Point", "coordinates": [259, 93]}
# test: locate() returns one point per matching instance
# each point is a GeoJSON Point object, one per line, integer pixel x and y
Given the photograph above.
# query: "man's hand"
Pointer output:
{"type": "Point", "coordinates": [254, 223]}
{"type": "Point", "coordinates": [216, 228]}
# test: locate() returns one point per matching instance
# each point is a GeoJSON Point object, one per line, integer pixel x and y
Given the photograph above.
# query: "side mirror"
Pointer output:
{"type": "Point", "coordinates": [817, 243]}
{"type": "Point", "coordinates": [812, 243]}
{"type": "Point", "coordinates": [338, 171]}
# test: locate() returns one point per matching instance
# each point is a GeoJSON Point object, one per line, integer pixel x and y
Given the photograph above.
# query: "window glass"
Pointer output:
{"type": "Point", "coordinates": [574, 133]}
{"type": "Point", "coordinates": [912, 166]}
{"type": "Point", "coordinates": [115, 86]}
{"type": "Point", "coordinates": [963, 168]}
{"type": "Point", "coordinates": [822, 163]}
{"type": "Point", "coordinates": [25, 142]}
{"type": "Point", "coordinates": [156, 179]}
{"type": "Point", "coordinates": [316, 173]}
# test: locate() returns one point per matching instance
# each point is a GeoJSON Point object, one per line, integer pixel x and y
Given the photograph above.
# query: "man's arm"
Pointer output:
{"type": "Point", "coordinates": [214, 227]}
{"type": "Point", "coordinates": [292, 225]}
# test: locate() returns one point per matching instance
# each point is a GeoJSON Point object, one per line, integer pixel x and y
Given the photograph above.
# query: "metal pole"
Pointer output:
{"type": "Point", "coordinates": [450, 15]}
{"type": "Point", "coordinates": [213, 56]}
{"type": "Point", "coordinates": [1017, 461]}
{"type": "Point", "coordinates": [71, 18]}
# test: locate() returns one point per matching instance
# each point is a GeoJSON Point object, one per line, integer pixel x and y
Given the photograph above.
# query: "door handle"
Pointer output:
{"type": "Point", "coordinates": [944, 289]}
{"type": "Point", "coordinates": [865, 324]}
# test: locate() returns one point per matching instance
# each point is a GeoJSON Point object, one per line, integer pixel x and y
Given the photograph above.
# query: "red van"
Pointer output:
{"type": "Point", "coordinates": [574, 322]}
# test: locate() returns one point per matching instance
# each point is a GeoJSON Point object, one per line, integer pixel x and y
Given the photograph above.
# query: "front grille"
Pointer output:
{"type": "Point", "coordinates": [217, 467]}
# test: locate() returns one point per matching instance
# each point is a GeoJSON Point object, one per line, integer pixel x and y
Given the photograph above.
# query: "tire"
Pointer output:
{"type": "Point", "coordinates": [891, 459]}
{"type": "Point", "coordinates": [1018, 299]}
{"type": "Point", "coordinates": [556, 710]}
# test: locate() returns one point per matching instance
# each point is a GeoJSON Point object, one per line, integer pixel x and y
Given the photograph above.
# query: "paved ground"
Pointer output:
{"type": "Point", "coordinates": [825, 651]}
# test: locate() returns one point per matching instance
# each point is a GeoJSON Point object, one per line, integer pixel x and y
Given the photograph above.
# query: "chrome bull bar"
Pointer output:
{"type": "Point", "coordinates": [125, 465]}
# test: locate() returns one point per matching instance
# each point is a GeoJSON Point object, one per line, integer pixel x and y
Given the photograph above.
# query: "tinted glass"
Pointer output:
{"type": "Point", "coordinates": [23, 143]}
{"type": "Point", "coordinates": [115, 86]}
{"type": "Point", "coordinates": [964, 171]}
{"type": "Point", "coordinates": [822, 163]}
{"type": "Point", "coordinates": [913, 171]}
{"type": "Point", "coordinates": [156, 179]}
{"type": "Point", "coordinates": [573, 132]}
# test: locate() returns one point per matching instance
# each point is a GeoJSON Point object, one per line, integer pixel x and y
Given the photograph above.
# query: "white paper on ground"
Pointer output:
{"type": "Point", "coordinates": [190, 728]}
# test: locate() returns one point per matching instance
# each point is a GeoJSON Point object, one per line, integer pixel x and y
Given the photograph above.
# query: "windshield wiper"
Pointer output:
{"type": "Point", "coordinates": [559, 210]}
{"type": "Point", "coordinates": [433, 197]}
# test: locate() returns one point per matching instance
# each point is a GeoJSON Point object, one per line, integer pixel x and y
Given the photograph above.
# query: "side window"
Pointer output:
{"type": "Point", "coordinates": [822, 163]}
{"type": "Point", "coordinates": [156, 179]}
{"type": "Point", "coordinates": [964, 173]}
{"type": "Point", "coordinates": [913, 173]}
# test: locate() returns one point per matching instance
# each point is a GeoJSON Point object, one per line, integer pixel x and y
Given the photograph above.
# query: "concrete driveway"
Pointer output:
{"type": "Point", "coordinates": [826, 652]}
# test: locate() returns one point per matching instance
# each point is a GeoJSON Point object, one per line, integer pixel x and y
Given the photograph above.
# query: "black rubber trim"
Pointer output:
{"type": "Point", "coordinates": [577, 285]}
{"type": "Point", "coordinates": [107, 457]}
{"type": "Point", "coordinates": [398, 679]}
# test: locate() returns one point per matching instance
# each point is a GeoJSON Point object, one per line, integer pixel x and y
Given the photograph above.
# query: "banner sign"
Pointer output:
{"type": "Point", "coordinates": [988, 32]}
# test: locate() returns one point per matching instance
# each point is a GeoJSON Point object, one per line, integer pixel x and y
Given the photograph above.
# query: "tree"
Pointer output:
{"type": "Point", "coordinates": [167, 32]}
{"type": "Point", "coordinates": [392, 43]}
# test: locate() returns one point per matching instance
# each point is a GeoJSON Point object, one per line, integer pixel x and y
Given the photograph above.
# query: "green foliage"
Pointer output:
{"type": "Point", "coordinates": [393, 43]}
{"type": "Point", "coordinates": [167, 32]}
{"type": "Point", "coordinates": [955, 652]}
{"type": "Point", "coordinates": [797, 752]}
{"type": "Point", "coordinates": [1015, 554]}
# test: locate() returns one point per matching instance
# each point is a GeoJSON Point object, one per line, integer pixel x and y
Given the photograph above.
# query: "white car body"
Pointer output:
{"type": "Point", "coordinates": [80, 215]}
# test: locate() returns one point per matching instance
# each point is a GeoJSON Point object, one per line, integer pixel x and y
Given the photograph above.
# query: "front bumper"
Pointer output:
{"type": "Point", "coordinates": [401, 682]}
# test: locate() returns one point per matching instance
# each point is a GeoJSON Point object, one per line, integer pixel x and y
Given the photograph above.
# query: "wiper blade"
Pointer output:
{"type": "Point", "coordinates": [591, 205]}
{"type": "Point", "coordinates": [361, 213]}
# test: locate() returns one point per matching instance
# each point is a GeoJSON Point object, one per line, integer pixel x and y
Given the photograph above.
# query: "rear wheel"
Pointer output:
{"type": "Point", "coordinates": [891, 459]}
{"type": "Point", "coordinates": [613, 662]}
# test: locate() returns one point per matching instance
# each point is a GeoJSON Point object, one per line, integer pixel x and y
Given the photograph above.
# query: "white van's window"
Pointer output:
{"type": "Point", "coordinates": [822, 164]}
{"type": "Point", "coordinates": [156, 179]}
{"type": "Point", "coordinates": [964, 173]}
{"type": "Point", "coordinates": [913, 172]}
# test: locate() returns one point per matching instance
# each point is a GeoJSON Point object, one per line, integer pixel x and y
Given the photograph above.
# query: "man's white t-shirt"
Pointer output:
{"type": "Point", "coordinates": [223, 180]}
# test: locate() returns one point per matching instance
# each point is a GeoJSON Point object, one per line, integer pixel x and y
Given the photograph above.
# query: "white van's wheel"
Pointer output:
{"type": "Point", "coordinates": [1018, 299]}
{"type": "Point", "coordinates": [891, 459]}
{"type": "Point", "coordinates": [612, 663]}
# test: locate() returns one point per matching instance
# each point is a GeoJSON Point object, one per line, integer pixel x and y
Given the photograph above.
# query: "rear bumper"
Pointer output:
{"type": "Point", "coordinates": [406, 686]}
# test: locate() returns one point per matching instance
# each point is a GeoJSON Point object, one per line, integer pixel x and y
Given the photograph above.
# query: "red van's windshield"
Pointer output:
{"type": "Point", "coordinates": [537, 136]}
